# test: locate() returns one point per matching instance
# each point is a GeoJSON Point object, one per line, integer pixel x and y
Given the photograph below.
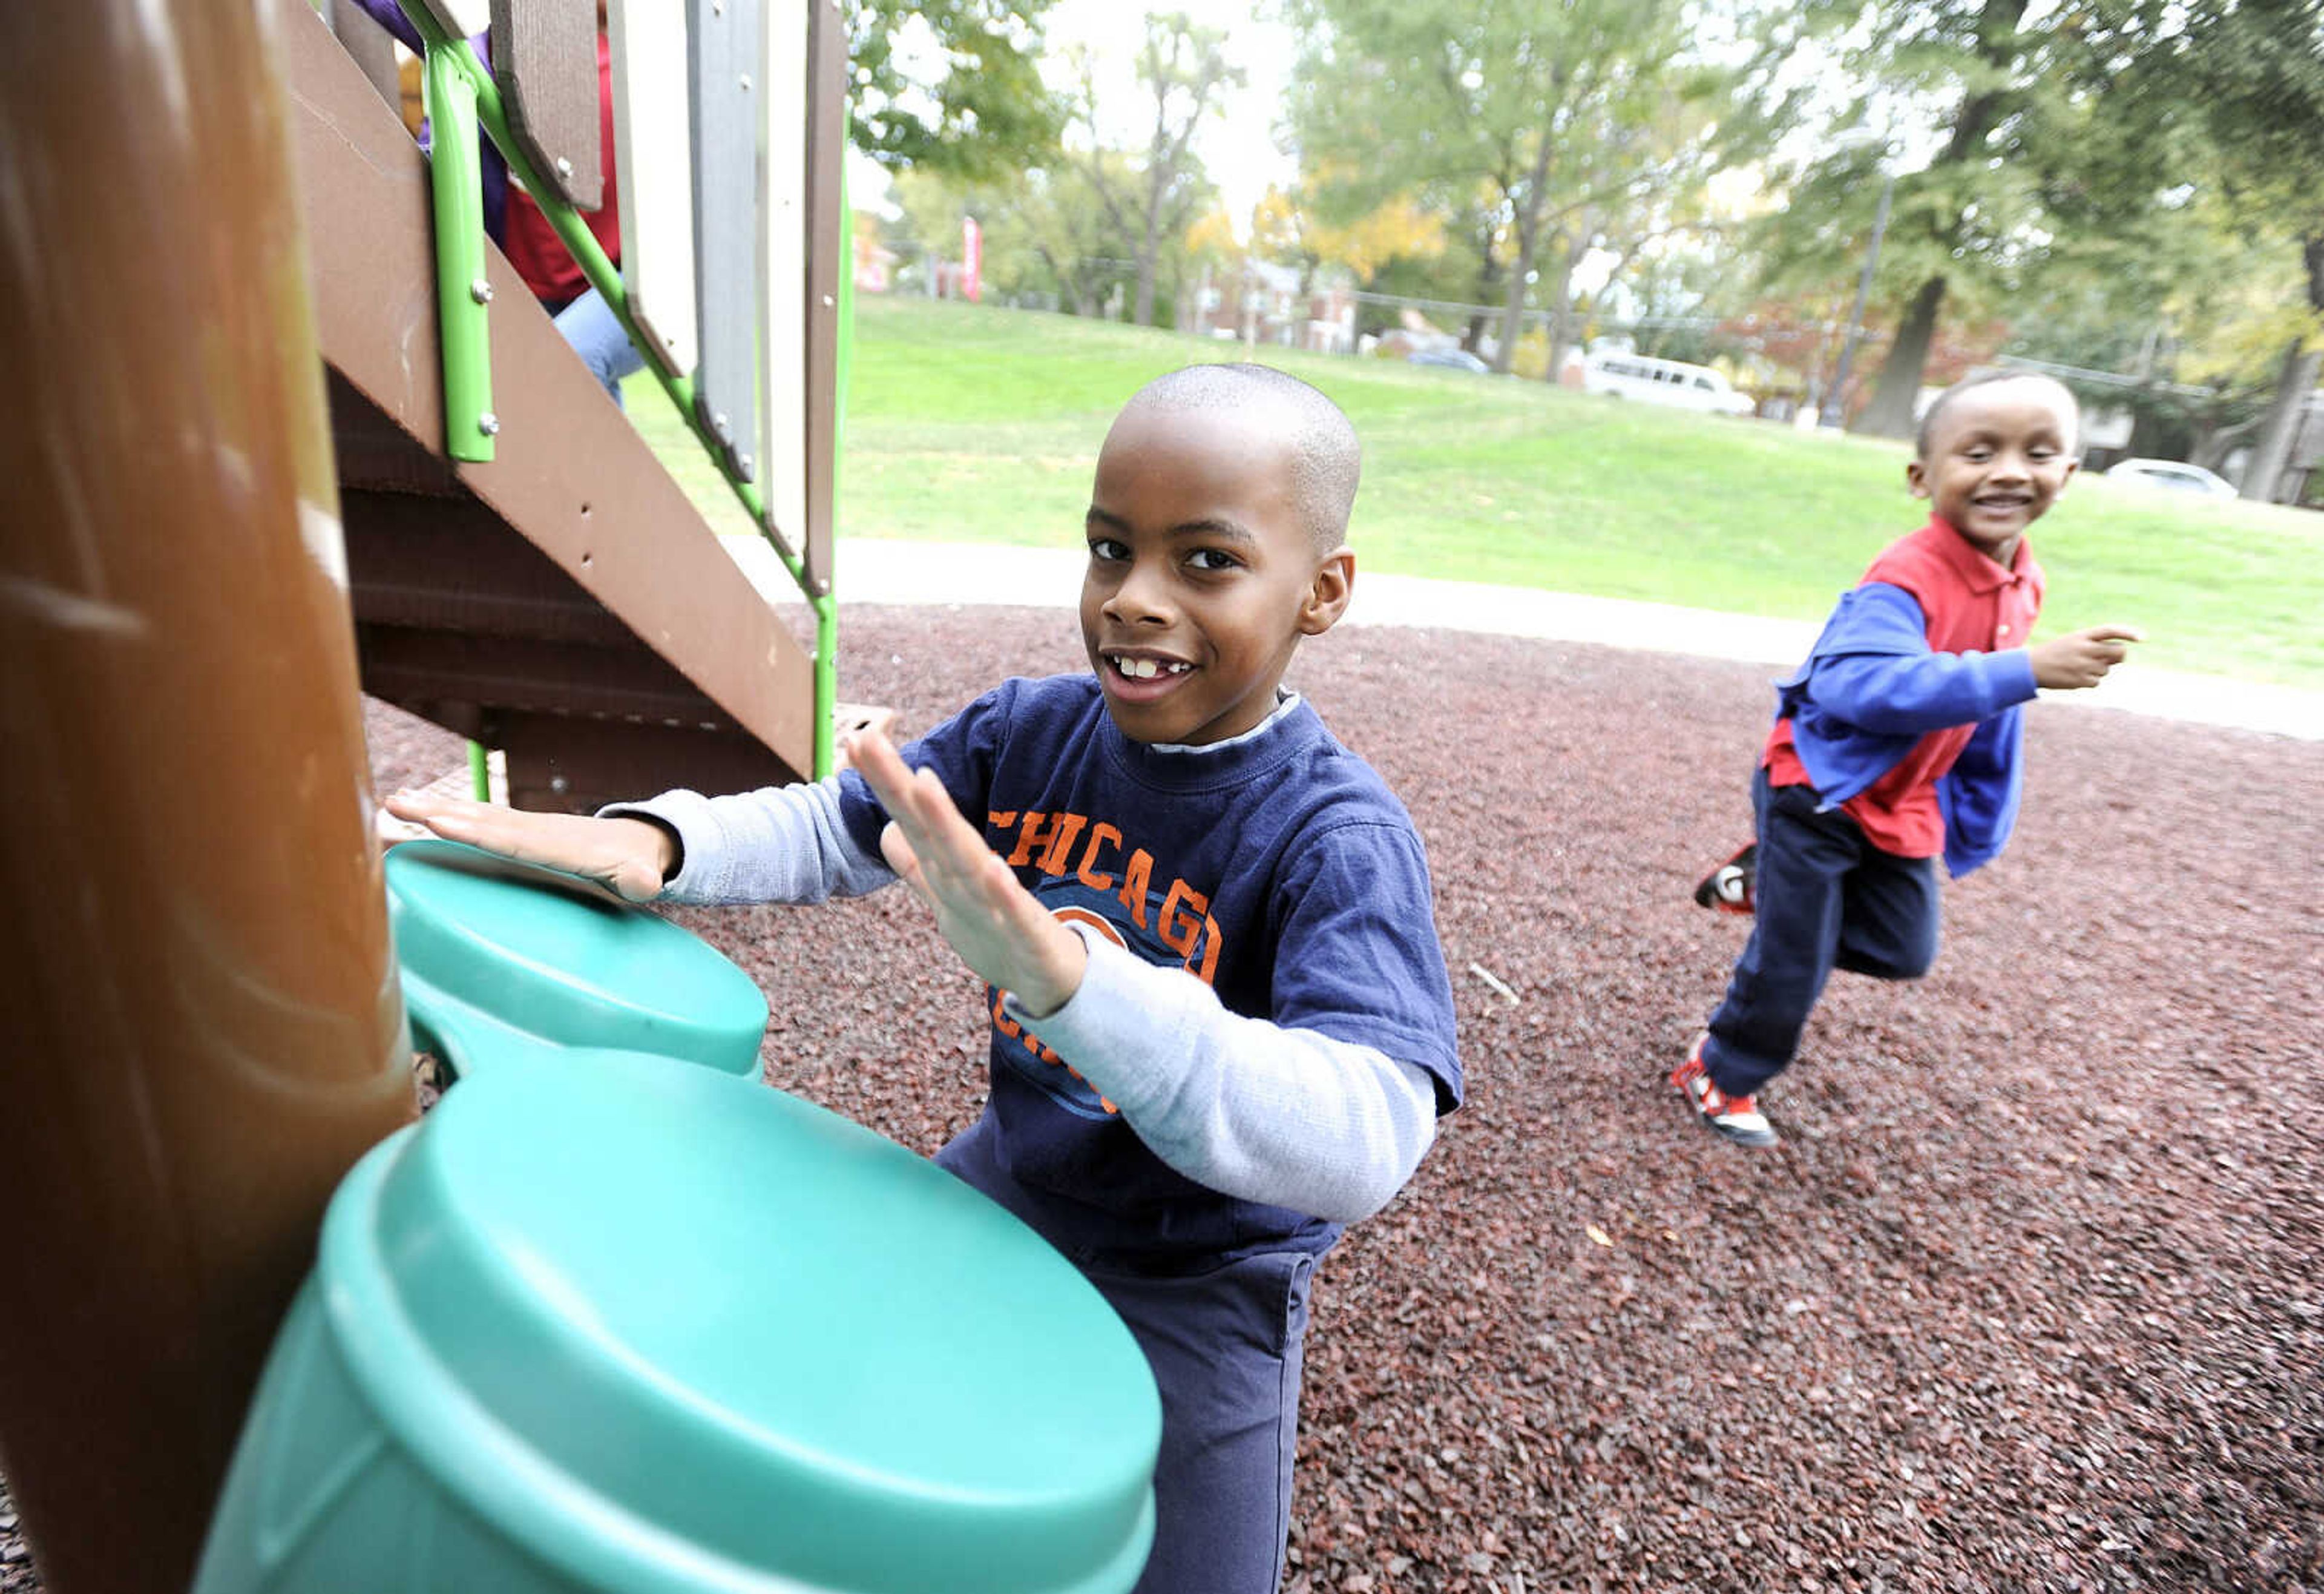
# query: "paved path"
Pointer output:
{"type": "Point", "coordinates": [878, 569]}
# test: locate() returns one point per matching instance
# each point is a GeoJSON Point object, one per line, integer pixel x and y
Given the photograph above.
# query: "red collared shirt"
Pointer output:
{"type": "Point", "coordinates": [1970, 605]}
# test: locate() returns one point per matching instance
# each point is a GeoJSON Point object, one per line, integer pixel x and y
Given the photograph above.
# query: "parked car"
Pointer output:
{"type": "Point", "coordinates": [1451, 359]}
{"type": "Point", "coordinates": [2176, 475]}
{"type": "Point", "coordinates": [1654, 381]}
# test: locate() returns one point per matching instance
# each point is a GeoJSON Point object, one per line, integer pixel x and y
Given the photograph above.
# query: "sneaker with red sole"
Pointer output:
{"type": "Point", "coordinates": [1736, 1117]}
{"type": "Point", "coordinates": [1730, 887]}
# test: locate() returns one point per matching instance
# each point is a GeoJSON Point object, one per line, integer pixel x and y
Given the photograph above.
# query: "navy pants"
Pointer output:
{"type": "Point", "coordinates": [1825, 898]}
{"type": "Point", "coordinates": [1225, 1343]}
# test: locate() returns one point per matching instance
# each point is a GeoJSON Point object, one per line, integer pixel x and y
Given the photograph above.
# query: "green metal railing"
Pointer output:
{"type": "Point", "coordinates": [455, 185]}
{"type": "Point", "coordinates": [461, 96]}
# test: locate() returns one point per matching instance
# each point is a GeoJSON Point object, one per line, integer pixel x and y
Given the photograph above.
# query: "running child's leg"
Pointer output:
{"type": "Point", "coordinates": [1889, 919]}
{"type": "Point", "coordinates": [1805, 858]}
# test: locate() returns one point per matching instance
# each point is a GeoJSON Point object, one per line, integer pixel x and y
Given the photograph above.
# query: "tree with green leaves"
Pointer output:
{"type": "Point", "coordinates": [952, 86]}
{"type": "Point", "coordinates": [2244, 80]}
{"type": "Point", "coordinates": [1152, 198]}
{"type": "Point", "coordinates": [1970, 82]}
{"type": "Point", "coordinates": [1090, 218]}
{"type": "Point", "coordinates": [1045, 232]}
{"type": "Point", "coordinates": [1546, 124]}
{"type": "Point", "coordinates": [2180, 160]}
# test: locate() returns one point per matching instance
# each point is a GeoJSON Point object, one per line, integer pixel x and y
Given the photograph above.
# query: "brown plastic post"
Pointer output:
{"type": "Point", "coordinates": [370, 47]}
{"type": "Point", "coordinates": [202, 1029]}
{"type": "Point", "coordinates": [545, 61]}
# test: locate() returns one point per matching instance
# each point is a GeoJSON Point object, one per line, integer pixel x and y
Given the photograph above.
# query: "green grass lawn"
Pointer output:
{"type": "Point", "coordinates": [966, 424]}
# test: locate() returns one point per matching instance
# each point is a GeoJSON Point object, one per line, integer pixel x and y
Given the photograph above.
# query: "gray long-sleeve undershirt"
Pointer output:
{"type": "Point", "coordinates": [1287, 1116]}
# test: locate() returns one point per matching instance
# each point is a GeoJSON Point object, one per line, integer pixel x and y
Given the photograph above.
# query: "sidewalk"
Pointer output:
{"type": "Point", "coordinates": [878, 569]}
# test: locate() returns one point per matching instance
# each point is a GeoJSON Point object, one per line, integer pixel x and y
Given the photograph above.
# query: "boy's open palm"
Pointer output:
{"type": "Point", "coordinates": [2083, 658]}
{"type": "Point", "coordinates": [997, 926]}
{"type": "Point", "coordinates": [627, 856]}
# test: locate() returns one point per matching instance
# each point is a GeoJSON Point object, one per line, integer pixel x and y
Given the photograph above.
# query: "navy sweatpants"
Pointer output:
{"type": "Point", "coordinates": [1825, 898]}
{"type": "Point", "coordinates": [1225, 1343]}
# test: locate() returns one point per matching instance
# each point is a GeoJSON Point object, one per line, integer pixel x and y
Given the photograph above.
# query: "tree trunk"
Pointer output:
{"type": "Point", "coordinates": [1895, 396]}
{"type": "Point", "coordinates": [2213, 442]}
{"type": "Point", "coordinates": [1513, 299]}
{"type": "Point", "coordinates": [2265, 474]}
{"type": "Point", "coordinates": [1513, 305]}
{"type": "Point", "coordinates": [1066, 281]}
{"type": "Point", "coordinates": [1561, 308]}
{"type": "Point", "coordinates": [1488, 274]}
{"type": "Point", "coordinates": [1148, 248]}
{"type": "Point", "coordinates": [1528, 240]}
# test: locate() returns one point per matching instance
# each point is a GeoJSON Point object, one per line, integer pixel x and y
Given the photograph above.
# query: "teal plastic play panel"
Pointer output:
{"type": "Point", "coordinates": [658, 1328]}
{"type": "Point", "coordinates": [503, 961]}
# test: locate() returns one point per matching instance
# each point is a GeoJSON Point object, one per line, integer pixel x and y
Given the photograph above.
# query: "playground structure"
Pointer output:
{"type": "Point", "coordinates": [208, 1020]}
{"type": "Point", "coordinates": [524, 570]}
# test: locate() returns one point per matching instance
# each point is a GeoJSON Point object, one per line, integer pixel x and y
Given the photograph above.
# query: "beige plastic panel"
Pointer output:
{"type": "Point", "coordinates": [782, 271]}
{"type": "Point", "coordinates": [654, 153]}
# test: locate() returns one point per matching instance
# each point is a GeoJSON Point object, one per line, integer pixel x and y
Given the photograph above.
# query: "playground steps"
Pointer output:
{"type": "Point", "coordinates": [564, 602]}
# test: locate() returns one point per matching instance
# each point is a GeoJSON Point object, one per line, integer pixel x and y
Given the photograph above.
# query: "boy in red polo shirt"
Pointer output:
{"type": "Point", "coordinates": [1898, 740]}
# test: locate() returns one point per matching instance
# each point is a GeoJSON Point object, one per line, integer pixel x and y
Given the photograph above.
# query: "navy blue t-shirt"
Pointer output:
{"type": "Point", "coordinates": [1279, 870]}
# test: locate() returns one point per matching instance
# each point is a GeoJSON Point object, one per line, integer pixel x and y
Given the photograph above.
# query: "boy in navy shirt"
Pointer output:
{"type": "Point", "coordinates": [1220, 1023]}
{"type": "Point", "coordinates": [1898, 740]}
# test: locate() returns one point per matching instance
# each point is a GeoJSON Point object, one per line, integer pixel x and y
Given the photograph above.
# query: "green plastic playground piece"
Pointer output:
{"type": "Point", "coordinates": [503, 961]}
{"type": "Point", "coordinates": [659, 1329]}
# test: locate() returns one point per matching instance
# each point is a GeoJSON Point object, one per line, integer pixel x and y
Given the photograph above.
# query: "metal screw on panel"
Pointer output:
{"type": "Point", "coordinates": [480, 290]}
{"type": "Point", "coordinates": [564, 167]}
{"type": "Point", "coordinates": [558, 782]}
{"type": "Point", "coordinates": [743, 81]}
{"type": "Point", "coordinates": [489, 424]}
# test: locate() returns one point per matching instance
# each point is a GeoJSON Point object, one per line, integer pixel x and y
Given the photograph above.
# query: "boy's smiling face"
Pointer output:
{"type": "Point", "coordinates": [1998, 456]}
{"type": "Point", "coordinates": [1202, 575]}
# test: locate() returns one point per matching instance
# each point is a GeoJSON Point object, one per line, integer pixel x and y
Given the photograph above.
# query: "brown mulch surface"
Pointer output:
{"type": "Point", "coordinates": [2031, 1297]}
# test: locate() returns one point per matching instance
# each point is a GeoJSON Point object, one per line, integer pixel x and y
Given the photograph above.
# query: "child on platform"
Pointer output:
{"type": "Point", "coordinates": [1220, 1023]}
{"type": "Point", "coordinates": [1898, 740]}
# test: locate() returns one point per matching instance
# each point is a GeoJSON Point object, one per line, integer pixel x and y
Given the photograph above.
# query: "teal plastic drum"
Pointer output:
{"type": "Point", "coordinates": [502, 961]}
{"type": "Point", "coordinates": [656, 1329]}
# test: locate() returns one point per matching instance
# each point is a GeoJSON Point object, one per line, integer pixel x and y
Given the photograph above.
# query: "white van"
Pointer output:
{"type": "Point", "coordinates": [1662, 382]}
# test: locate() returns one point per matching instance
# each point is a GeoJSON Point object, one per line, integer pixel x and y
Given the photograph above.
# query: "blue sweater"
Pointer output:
{"type": "Point", "coordinates": [1900, 673]}
{"type": "Point", "coordinates": [1277, 869]}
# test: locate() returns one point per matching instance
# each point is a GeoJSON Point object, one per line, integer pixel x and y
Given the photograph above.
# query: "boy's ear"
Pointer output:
{"type": "Point", "coordinates": [1916, 478]}
{"type": "Point", "coordinates": [1328, 593]}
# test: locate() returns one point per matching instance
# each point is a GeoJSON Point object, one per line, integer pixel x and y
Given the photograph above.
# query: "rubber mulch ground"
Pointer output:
{"type": "Point", "coordinates": [2031, 1296]}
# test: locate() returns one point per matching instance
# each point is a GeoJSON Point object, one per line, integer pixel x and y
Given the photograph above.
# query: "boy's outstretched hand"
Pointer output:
{"type": "Point", "coordinates": [2083, 658]}
{"type": "Point", "coordinates": [1000, 931]}
{"type": "Point", "coordinates": [629, 857]}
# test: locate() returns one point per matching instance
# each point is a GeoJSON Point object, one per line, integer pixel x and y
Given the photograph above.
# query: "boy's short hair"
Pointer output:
{"type": "Point", "coordinates": [1326, 459]}
{"type": "Point", "coordinates": [1937, 405]}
